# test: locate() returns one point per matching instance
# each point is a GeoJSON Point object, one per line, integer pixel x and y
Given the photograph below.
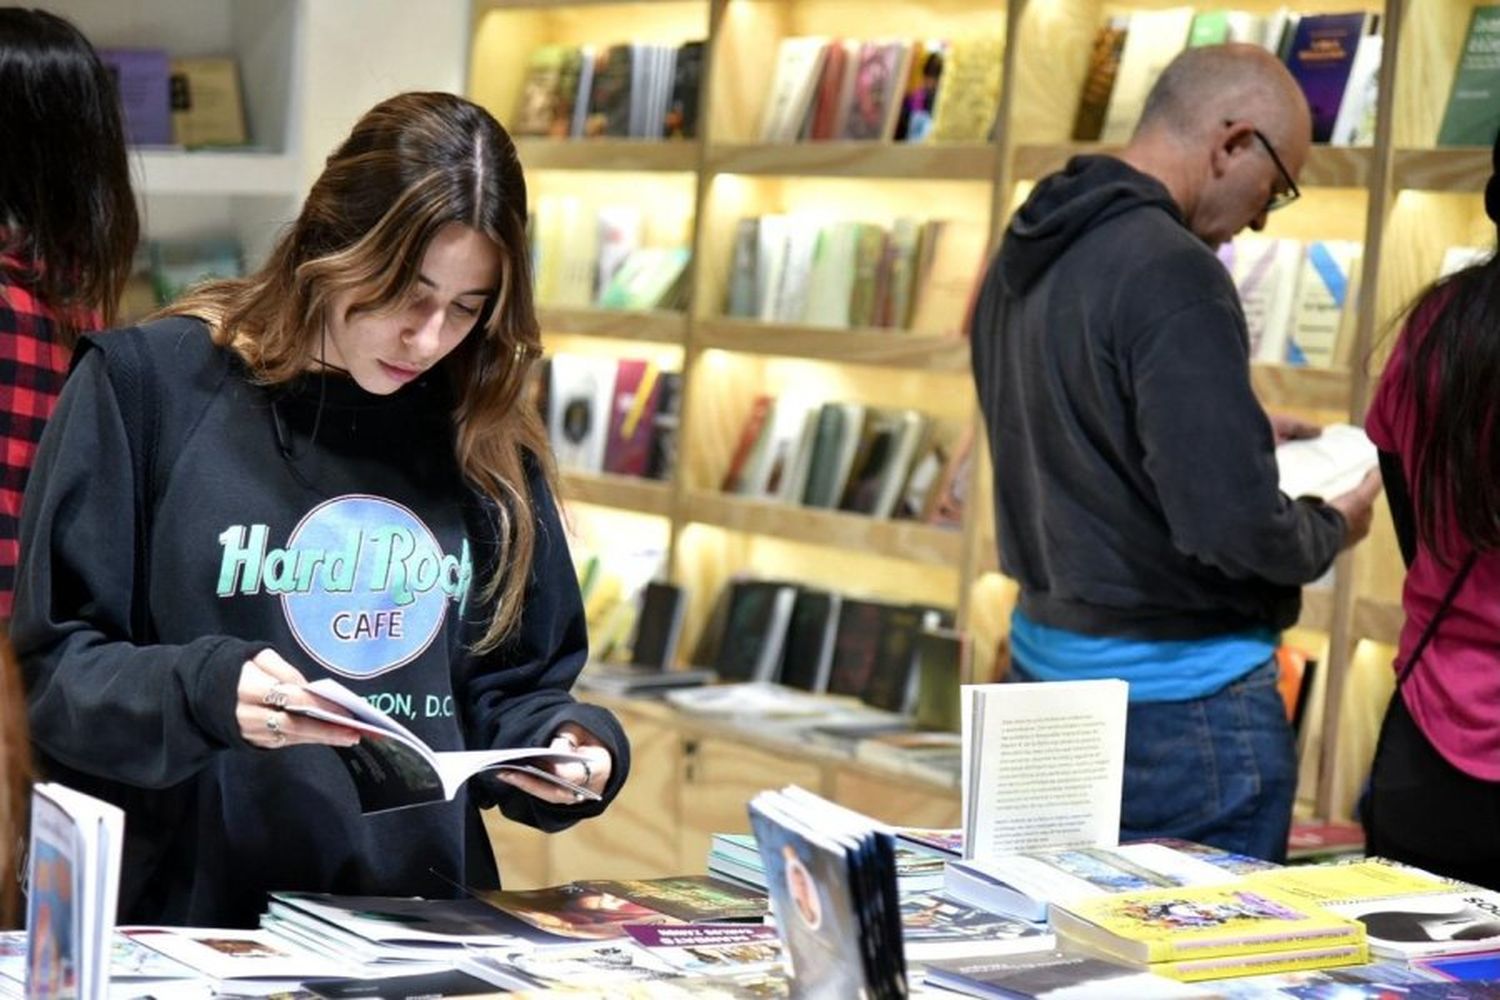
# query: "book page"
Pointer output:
{"type": "Point", "coordinates": [1325, 466]}
{"type": "Point", "coordinates": [1046, 768]}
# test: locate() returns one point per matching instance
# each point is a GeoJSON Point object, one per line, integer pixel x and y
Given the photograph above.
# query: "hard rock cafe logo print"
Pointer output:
{"type": "Point", "coordinates": [362, 580]}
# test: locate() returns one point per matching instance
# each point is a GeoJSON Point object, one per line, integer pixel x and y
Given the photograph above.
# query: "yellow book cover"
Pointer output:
{"type": "Point", "coordinates": [1371, 879]}
{"type": "Point", "coordinates": [1198, 922]}
{"type": "Point", "coordinates": [969, 92]}
{"type": "Point", "coordinates": [1234, 966]}
{"type": "Point", "coordinates": [206, 105]}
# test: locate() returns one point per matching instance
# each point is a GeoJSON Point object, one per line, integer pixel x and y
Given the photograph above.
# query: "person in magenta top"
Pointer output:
{"type": "Point", "coordinates": [1435, 783]}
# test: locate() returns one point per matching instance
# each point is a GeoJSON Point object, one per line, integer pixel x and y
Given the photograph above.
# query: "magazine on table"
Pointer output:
{"type": "Point", "coordinates": [393, 768]}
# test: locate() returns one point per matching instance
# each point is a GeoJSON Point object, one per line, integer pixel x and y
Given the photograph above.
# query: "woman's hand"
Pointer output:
{"type": "Point", "coordinates": [592, 774]}
{"type": "Point", "coordinates": [268, 684]}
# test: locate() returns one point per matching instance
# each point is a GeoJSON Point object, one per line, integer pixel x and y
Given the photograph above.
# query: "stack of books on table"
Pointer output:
{"type": "Point", "coordinates": [736, 857]}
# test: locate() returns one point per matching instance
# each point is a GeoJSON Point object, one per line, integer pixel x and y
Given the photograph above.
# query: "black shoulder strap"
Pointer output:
{"type": "Point", "coordinates": [134, 381]}
{"type": "Point", "coordinates": [1437, 616]}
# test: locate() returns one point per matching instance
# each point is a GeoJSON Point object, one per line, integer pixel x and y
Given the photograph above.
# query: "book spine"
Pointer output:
{"type": "Point", "coordinates": [1260, 965]}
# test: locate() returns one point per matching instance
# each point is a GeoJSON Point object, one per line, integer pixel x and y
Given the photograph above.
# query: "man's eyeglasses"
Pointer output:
{"type": "Point", "coordinates": [1283, 198]}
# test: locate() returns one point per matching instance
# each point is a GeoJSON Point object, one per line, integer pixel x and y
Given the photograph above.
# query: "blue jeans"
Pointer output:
{"type": "Point", "coordinates": [1219, 770]}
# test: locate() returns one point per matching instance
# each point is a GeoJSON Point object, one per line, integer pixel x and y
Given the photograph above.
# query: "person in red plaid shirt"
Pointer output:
{"type": "Point", "coordinates": [68, 229]}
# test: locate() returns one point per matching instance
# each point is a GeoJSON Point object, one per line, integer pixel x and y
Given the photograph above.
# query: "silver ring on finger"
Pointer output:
{"type": "Point", "coordinates": [276, 696]}
{"type": "Point", "coordinates": [588, 772]}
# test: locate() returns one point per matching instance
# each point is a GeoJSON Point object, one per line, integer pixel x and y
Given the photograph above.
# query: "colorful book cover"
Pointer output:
{"type": "Point", "coordinates": [1210, 27]}
{"type": "Point", "coordinates": [823, 119]}
{"type": "Point", "coordinates": [664, 424]}
{"type": "Point", "coordinates": [914, 120]}
{"type": "Point", "coordinates": [541, 91]}
{"type": "Point", "coordinates": [579, 402]}
{"type": "Point", "coordinates": [710, 949]}
{"type": "Point", "coordinates": [935, 926]}
{"type": "Point", "coordinates": [1153, 40]}
{"type": "Point", "coordinates": [856, 646]}
{"type": "Point", "coordinates": [681, 121]}
{"type": "Point", "coordinates": [1323, 295]}
{"type": "Point", "coordinates": [877, 84]}
{"type": "Point", "coordinates": [1320, 58]}
{"type": "Point", "coordinates": [691, 897]}
{"type": "Point", "coordinates": [576, 910]}
{"type": "Point", "coordinates": [1473, 113]}
{"type": "Point", "coordinates": [1334, 882]}
{"type": "Point", "coordinates": [1104, 65]}
{"type": "Point", "coordinates": [1449, 923]}
{"type": "Point", "coordinates": [1201, 922]}
{"type": "Point", "coordinates": [609, 101]}
{"type": "Point", "coordinates": [206, 106]}
{"type": "Point", "coordinates": [969, 95]}
{"type": "Point", "coordinates": [628, 449]}
{"type": "Point", "coordinates": [143, 79]}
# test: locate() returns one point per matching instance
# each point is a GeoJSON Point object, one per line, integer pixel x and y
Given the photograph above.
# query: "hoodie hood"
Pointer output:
{"type": "Point", "coordinates": [1064, 206]}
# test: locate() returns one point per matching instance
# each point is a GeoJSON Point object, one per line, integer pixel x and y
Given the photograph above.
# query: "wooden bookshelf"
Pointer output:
{"type": "Point", "coordinates": [1326, 166]}
{"type": "Point", "coordinates": [1290, 387]}
{"type": "Point", "coordinates": [949, 161]}
{"type": "Point", "coordinates": [632, 493]}
{"type": "Point", "coordinates": [1405, 200]}
{"type": "Point", "coordinates": [623, 155]}
{"type": "Point", "coordinates": [1461, 171]}
{"type": "Point", "coordinates": [656, 326]}
{"type": "Point", "coordinates": [888, 348]}
{"type": "Point", "coordinates": [909, 540]}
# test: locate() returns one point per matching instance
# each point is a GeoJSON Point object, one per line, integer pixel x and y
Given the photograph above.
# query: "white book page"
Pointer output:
{"type": "Point", "coordinates": [373, 719]}
{"type": "Point", "coordinates": [1048, 766]}
{"type": "Point", "coordinates": [1325, 466]}
{"type": "Point", "coordinates": [239, 954]}
{"type": "Point", "coordinates": [454, 767]}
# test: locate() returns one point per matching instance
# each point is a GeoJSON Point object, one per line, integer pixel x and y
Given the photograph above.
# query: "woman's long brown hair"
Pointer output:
{"type": "Point", "coordinates": [413, 164]}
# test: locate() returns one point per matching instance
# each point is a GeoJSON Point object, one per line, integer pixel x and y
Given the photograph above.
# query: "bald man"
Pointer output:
{"type": "Point", "coordinates": [1135, 480]}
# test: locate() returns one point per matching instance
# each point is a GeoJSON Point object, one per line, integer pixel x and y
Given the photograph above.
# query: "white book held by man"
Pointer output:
{"type": "Point", "coordinates": [1325, 466]}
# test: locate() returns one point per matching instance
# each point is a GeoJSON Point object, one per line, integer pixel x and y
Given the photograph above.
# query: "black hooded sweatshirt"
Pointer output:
{"type": "Point", "coordinates": [316, 519]}
{"type": "Point", "coordinates": [1135, 476]}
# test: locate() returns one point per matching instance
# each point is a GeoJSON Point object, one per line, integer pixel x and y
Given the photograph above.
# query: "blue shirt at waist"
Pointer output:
{"type": "Point", "coordinates": [1157, 670]}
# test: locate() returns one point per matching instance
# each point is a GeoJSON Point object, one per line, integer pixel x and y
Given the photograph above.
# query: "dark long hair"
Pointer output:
{"type": "Point", "coordinates": [1455, 383]}
{"type": "Point", "coordinates": [68, 223]}
{"type": "Point", "coordinates": [413, 164]}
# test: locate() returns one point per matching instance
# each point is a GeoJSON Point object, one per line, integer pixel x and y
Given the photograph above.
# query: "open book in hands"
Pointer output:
{"type": "Point", "coordinates": [1328, 465]}
{"type": "Point", "coordinates": [393, 768]}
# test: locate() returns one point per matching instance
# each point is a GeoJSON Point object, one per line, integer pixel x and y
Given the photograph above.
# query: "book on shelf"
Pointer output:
{"type": "Point", "coordinates": [759, 612]}
{"type": "Point", "coordinates": [207, 109]}
{"type": "Point", "coordinates": [799, 63]}
{"type": "Point", "coordinates": [610, 97]}
{"type": "Point", "coordinates": [142, 79]}
{"type": "Point", "coordinates": [177, 265]}
{"type": "Point", "coordinates": [1472, 115]}
{"type": "Point", "coordinates": [1099, 83]}
{"type": "Point", "coordinates": [832, 878]}
{"type": "Point", "coordinates": [968, 97]}
{"type": "Point", "coordinates": [662, 459]}
{"type": "Point", "coordinates": [914, 119]}
{"type": "Point", "coordinates": [1323, 303]}
{"type": "Point", "coordinates": [549, 90]}
{"type": "Point", "coordinates": [1355, 124]}
{"type": "Point", "coordinates": [620, 232]}
{"type": "Point", "coordinates": [1321, 57]}
{"type": "Point", "coordinates": [856, 645]}
{"type": "Point", "coordinates": [1176, 931]}
{"type": "Point", "coordinates": [1152, 40]}
{"type": "Point", "coordinates": [72, 886]}
{"type": "Point", "coordinates": [1265, 272]}
{"type": "Point", "coordinates": [753, 436]}
{"type": "Point", "coordinates": [653, 650]}
{"type": "Point", "coordinates": [835, 446]}
{"type": "Point", "coordinates": [1043, 766]}
{"type": "Point", "coordinates": [1325, 466]}
{"type": "Point", "coordinates": [940, 659]}
{"type": "Point", "coordinates": [393, 768]}
{"type": "Point", "coordinates": [681, 119]}
{"type": "Point", "coordinates": [830, 101]}
{"type": "Point", "coordinates": [808, 655]}
{"type": "Point", "coordinates": [579, 401]}
{"type": "Point", "coordinates": [880, 69]}
{"type": "Point", "coordinates": [1037, 975]}
{"type": "Point", "coordinates": [950, 254]}
{"type": "Point", "coordinates": [627, 448]}
{"type": "Point", "coordinates": [650, 278]}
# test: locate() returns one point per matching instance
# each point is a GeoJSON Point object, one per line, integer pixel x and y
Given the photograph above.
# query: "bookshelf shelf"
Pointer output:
{"type": "Point", "coordinates": [920, 543]}
{"type": "Point", "coordinates": [1458, 170]}
{"type": "Point", "coordinates": [1306, 388]}
{"type": "Point", "coordinates": [889, 348]}
{"type": "Point", "coordinates": [643, 496]}
{"type": "Point", "coordinates": [656, 326]}
{"type": "Point", "coordinates": [952, 161]}
{"type": "Point", "coordinates": [1326, 166]}
{"type": "Point", "coordinates": [616, 155]}
{"type": "Point", "coordinates": [210, 172]}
